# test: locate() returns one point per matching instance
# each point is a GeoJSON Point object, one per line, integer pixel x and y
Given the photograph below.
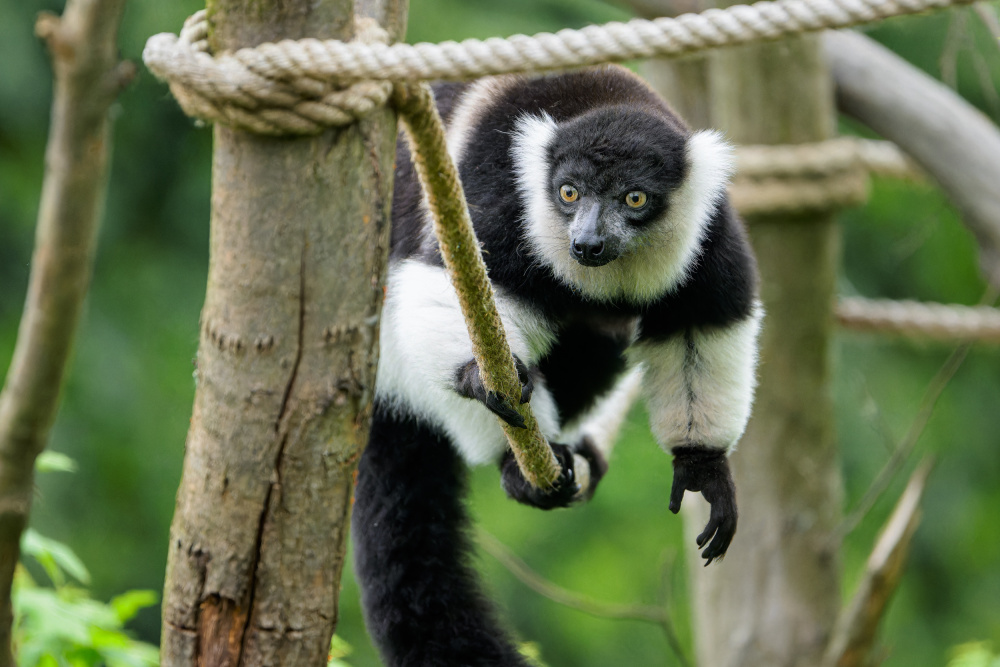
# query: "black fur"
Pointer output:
{"type": "Point", "coordinates": [566, 490]}
{"type": "Point", "coordinates": [423, 605]}
{"type": "Point", "coordinates": [422, 602]}
{"type": "Point", "coordinates": [705, 469]}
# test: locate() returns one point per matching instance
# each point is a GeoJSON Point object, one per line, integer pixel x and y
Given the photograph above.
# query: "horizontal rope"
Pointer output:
{"type": "Point", "coordinates": [820, 158]}
{"type": "Point", "coordinates": [275, 76]}
{"type": "Point", "coordinates": [928, 320]}
{"type": "Point", "coordinates": [805, 178]}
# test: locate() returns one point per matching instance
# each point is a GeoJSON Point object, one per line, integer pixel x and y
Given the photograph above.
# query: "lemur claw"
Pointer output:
{"type": "Point", "coordinates": [468, 383]}
{"type": "Point", "coordinates": [706, 469]}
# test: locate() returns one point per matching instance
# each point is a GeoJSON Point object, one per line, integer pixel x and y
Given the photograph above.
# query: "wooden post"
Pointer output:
{"type": "Point", "coordinates": [286, 369]}
{"type": "Point", "coordinates": [775, 598]}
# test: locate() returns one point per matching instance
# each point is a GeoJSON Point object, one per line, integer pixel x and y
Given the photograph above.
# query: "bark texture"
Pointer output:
{"type": "Point", "coordinates": [83, 44]}
{"type": "Point", "coordinates": [286, 371]}
{"type": "Point", "coordinates": [774, 600]}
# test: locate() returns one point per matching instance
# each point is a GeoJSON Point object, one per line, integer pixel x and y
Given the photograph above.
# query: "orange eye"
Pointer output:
{"type": "Point", "coordinates": [636, 199]}
{"type": "Point", "coordinates": [568, 193]}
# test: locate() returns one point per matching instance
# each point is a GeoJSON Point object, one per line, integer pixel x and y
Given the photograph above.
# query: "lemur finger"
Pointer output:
{"type": "Point", "coordinates": [677, 490]}
{"type": "Point", "coordinates": [524, 377]}
{"type": "Point", "coordinates": [499, 407]}
{"type": "Point", "coordinates": [723, 538]}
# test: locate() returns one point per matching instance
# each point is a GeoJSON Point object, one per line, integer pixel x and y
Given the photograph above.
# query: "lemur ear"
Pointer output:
{"type": "Point", "coordinates": [530, 146]}
{"type": "Point", "coordinates": [711, 165]}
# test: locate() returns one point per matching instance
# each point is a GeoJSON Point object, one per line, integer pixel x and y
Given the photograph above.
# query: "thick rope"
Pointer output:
{"type": "Point", "coordinates": [928, 320]}
{"type": "Point", "coordinates": [269, 76]}
{"type": "Point", "coordinates": [293, 103]}
{"type": "Point", "coordinates": [464, 261]}
{"type": "Point", "coordinates": [805, 178]}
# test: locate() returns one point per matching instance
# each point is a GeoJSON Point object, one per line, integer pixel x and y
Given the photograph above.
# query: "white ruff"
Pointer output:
{"type": "Point", "coordinates": [661, 258]}
{"type": "Point", "coordinates": [424, 341]}
{"type": "Point", "coordinates": [700, 389]}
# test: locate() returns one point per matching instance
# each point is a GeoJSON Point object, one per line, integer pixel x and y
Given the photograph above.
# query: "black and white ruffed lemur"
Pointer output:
{"type": "Point", "coordinates": [611, 246]}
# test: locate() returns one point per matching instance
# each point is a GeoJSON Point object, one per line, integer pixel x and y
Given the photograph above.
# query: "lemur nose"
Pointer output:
{"type": "Point", "coordinates": [588, 249]}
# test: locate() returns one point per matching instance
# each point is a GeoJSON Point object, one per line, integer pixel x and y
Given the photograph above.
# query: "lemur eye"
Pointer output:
{"type": "Point", "coordinates": [568, 193]}
{"type": "Point", "coordinates": [636, 199]}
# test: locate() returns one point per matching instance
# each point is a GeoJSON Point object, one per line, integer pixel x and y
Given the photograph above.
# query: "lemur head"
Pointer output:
{"type": "Point", "coordinates": [617, 199]}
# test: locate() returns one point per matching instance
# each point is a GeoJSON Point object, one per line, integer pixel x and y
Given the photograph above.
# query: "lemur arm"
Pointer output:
{"type": "Point", "coordinates": [426, 354]}
{"type": "Point", "coordinates": [698, 387]}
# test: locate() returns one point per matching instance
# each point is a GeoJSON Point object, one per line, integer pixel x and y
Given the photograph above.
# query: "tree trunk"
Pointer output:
{"type": "Point", "coordinates": [286, 370]}
{"type": "Point", "coordinates": [774, 600]}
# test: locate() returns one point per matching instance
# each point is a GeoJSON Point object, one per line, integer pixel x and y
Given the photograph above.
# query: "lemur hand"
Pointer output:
{"type": "Point", "coordinates": [468, 383]}
{"type": "Point", "coordinates": [566, 490]}
{"type": "Point", "coordinates": [706, 469]}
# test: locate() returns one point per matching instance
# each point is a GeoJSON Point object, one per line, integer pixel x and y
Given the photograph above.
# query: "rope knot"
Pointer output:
{"type": "Point", "coordinates": [261, 90]}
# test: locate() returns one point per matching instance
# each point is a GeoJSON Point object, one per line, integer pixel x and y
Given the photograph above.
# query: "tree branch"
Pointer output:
{"type": "Point", "coordinates": [88, 77]}
{"type": "Point", "coordinates": [902, 452]}
{"type": "Point", "coordinates": [854, 634]}
{"type": "Point", "coordinates": [536, 582]}
{"type": "Point", "coordinates": [952, 141]}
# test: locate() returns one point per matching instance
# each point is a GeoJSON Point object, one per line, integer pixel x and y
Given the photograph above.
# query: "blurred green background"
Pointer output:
{"type": "Point", "coordinates": [129, 392]}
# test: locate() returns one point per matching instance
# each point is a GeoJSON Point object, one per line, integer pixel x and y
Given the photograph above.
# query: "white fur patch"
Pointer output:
{"type": "Point", "coordinates": [423, 342]}
{"type": "Point", "coordinates": [669, 249]}
{"type": "Point", "coordinates": [476, 100]}
{"type": "Point", "coordinates": [603, 422]}
{"type": "Point", "coordinates": [699, 388]}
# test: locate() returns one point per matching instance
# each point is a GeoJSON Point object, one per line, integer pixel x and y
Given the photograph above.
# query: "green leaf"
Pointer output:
{"type": "Point", "coordinates": [974, 654]}
{"type": "Point", "coordinates": [339, 648]}
{"type": "Point", "coordinates": [128, 604]}
{"type": "Point", "coordinates": [55, 557]}
{"type": "Point", "coordinates": [54, 462]}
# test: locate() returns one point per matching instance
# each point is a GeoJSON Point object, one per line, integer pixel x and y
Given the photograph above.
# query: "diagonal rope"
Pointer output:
{"type": "Point", "coordinates": [464, 261]}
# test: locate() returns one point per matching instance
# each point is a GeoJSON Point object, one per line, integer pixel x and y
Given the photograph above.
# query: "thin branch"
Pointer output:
{"type": "Point", "coordinates": [906, 446]}
{"type": "Point", "coordinates": [88, 77]}
{"type": "Point", "coordinates": [536, 582]}
{"type": "Point", "coordinates": [948, 62]}
{"type": "Point", "coordinates": [854, 634]}
{"type": "Point", "coordinates": [989, 18]}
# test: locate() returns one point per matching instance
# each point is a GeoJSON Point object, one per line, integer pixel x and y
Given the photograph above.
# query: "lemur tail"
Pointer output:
{"type": "Point", "coordinates": [421, 597]}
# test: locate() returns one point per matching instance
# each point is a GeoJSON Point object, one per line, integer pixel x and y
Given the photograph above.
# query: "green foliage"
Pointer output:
{"type": "Point", "coordinates": [975, 654]}
{"type": "Point", "coordinates": [339, 649]}
{"type": "Point", "coordinates": [63, 626]}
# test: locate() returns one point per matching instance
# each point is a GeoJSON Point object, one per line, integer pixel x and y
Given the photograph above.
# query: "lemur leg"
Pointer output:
{"type": "Point", "coordinates": [422, 601]}
{"type": "Point", "coordinates": [699, 388]}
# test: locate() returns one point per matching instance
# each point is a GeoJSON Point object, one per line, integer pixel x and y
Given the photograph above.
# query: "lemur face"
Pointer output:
{"type": "Point", "coordinates": [612, 174]}
{"type": "Point", "coordinates": [616, 200]}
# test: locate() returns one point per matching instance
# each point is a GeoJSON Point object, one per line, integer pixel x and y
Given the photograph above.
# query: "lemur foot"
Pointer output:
{"type": "Point", "coordinates": [566, 491]}
{"type": "Point", "coordinates": [468, 383]}
{"type": "Point", "coordinates": [706, 469]}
